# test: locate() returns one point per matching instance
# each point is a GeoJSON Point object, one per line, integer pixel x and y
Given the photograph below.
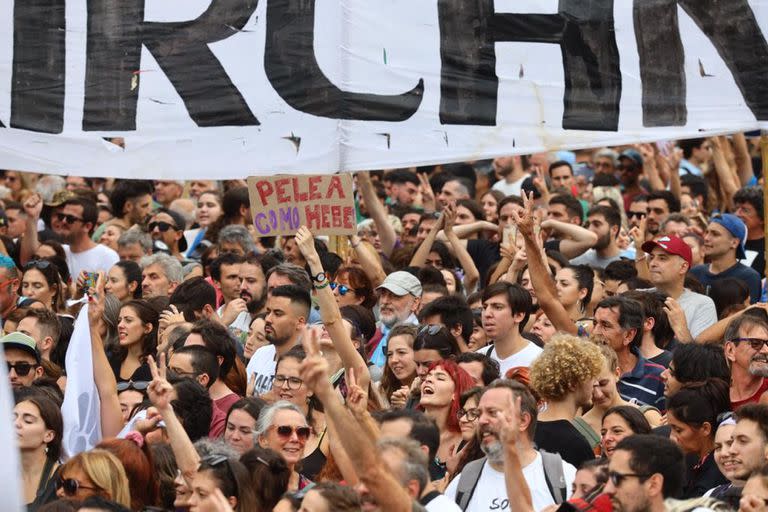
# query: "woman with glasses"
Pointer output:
{"type": "Point", "coordinates": [353, 287]}
{"type": "Point", "coordinates": [440, 394]}
{"type": "Point", "coordinates": [400, 367]}
{"type": "Point", "coordinates": [692, 413]}
{"type": "Point", "coordinates": [137, 339]}
{"type": "Point", "coordinates": [94, 473]}
{"type": "Point", "coordinates": [605, 396]}
{"type": "Point", "coordinates": [288, 386]}
{"type": "Point", "coordinates": [124, 280]}
{"type": "Point", "coordinates": [136, 457]}
{"type": "Point", "coordinates": [42, 281]}
{"type": "Point", "coordinates": [241, 423]}
{"type": "Point", "coordinates": [283, 428]}
{"type": "Point", "coordinates": [39, 427]}
{"type": "Point", "coordinates": [618, 423]}
{"type": "Point", "coordinates": [469, 448]}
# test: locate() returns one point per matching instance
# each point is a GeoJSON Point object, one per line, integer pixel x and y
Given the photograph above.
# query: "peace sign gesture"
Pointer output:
{"type": "Point", "coordinates": [357, 397]}
{"type": "Point", "coordinates": [524, 219]}
{"type": "Point", "coordinates": [314, 368]}
{"type": "Point", "coordinates": [160, 390]}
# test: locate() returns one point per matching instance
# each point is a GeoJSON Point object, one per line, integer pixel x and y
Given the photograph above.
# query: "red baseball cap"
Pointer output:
{"type": "Point", "coordinates": [670, 245]}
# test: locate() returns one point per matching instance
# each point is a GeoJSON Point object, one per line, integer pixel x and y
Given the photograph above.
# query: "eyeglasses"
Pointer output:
{"type": "Point", "coordinates": [69, 219]}
{"type": "Point", "coordinates": [217, 460]}
{"type": "Point", "coordinates": [343, 290]}
{"type": "Point", "coordinates": [632, 215]}
{"type": "Point", "coordinates": [22, 369]}
{"type": "Point", "coordinates": [754, 343]}
{"type": "Point", "coordinates": [431, 329]}
{"type": "Point", "coordinates": [287, 431]}
{"type": "Point", "coordinates": [70, 486]}
{"type": "Point", "coordinates": [38, 264]}
{"type": "Point", "coordinates": [139, 385]}
{"type": "Point", "coordinates": [293, 382]}
{"type": "Point", "coordinates": [471, 414]}
{"type": "Point", "coordinates": [160, 225]}
{"type": "Point", "coordinates": [617, 478]}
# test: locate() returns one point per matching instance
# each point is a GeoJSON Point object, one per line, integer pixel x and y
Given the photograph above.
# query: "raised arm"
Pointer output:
{"type": "Point", "coordinates": [33, 205]}
{"type": "Point", "coordinates": [649, 167]}
{"type": "Point", "coordinates": [329, 308]}
{"type": "Point", "coordinates": [518, 492]}
{"type": "Point", "coordinates": [471, 274]}
{"type": "Point", "coordinates": [369, 260]}
{"type": "Point", "coordinates": [103, 376]}
{"type": "Point", "coordinates": [742, 158]}
{"type": "Point", "coordinates": [728, 181]}
{"type": "Point", "coordinates": [160, 392]}
{"type": "Point", "coordinates": [465, 230]}
{"type": "Point", "coordinates": [537, 267]}
{"type": "Point", "coordinates": [387, 233]}
{"type": "Point", "coordinates": [383, 486]}
{"type": "Point", "coordinates": [672, 164]}
{"type": "Point", "coordinates": [578, 240]}
{"type": "Point", "coordinates": [420, 256]}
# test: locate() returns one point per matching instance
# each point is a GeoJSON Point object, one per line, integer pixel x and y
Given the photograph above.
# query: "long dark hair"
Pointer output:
{"type": "Point", "coordinates": [147, 315]}
{"type": "Point", "coordinates": [132, 272]}
{"type": "Point", "coordinates": [635, 419]}
{"type": "Point", "coordinates": [701, 402]}
{"type": "Point", "coordinates": [50, 414]}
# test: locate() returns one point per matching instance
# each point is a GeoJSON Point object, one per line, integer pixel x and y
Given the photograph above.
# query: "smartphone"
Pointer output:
{"type": "Point", "coordinates": [90, 280]}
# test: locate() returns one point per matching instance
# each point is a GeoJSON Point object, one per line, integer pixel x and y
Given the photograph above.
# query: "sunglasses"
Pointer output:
{"type": "Point", "coordinates": [343, 290]}
{"type": "Point", "coordinates": [431, 329]}
{"type": "Point", "coordinates": [754, 343]}
{"type": "Point", "coordinates": [70, 486]}
{"type": "Point", "coordinates": [287, 431]}
{"type": "Point", "coordinates": [617, 478]}
{"type": "Point", "coordinates": [160, 225]}
{"type": "Point", "coordinates": [69, 219]}
{"type": "Point", "coordinates": [38, 264]}
{"type": "Point", "coordinates": [139, 385]}
{"type": "Point", "coordinates": [639, 215]}
{"type": "Point", "coordinates": [21, 369]}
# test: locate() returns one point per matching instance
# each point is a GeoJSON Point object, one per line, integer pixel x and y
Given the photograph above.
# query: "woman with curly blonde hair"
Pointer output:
{"type": "Point", "coordinates": [563, 376]}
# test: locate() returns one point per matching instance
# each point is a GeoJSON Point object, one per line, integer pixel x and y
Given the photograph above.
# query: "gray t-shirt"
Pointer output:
{"type": "Point", "coordinates": [699, 310]}
{"type": "Point", "coordinates": [592, 259]}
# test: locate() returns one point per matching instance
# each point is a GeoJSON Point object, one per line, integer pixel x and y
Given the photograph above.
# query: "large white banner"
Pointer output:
{"type": "Point", "coordinates": [227, 88]}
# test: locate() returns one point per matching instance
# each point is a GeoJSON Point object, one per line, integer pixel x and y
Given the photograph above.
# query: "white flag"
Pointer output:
{"type": "Point", "coordinates": [81, 408]}
{"type": "Point", "coordinates": [10, 470]}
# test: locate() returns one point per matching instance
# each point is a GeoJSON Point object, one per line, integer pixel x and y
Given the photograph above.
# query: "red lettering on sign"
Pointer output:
{"type": "Point", "coordinates": [312, 214]}
{"type": "Point", "coordinates": [314, 194]}
{"type": "Point", "coordinates": [349, 217]}
{"type": "Point", "coordinates": [335, 185]}
{"type": "Point", "coordinates": [265, 190]}
{"type": "Point", "coordinates": [281, 192]}
{"type": "Point", "coordinates": [336, 216]}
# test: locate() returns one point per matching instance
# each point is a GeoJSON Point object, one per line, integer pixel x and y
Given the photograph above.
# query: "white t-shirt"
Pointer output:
{"type": "Point", "coordinates": [442, 503]}
{"type": "Point", "coordinates": [98, 259]}
{"type": "Point", "coordinates": [240, 326]}
{"type": "Point", "coordinates": [491, 490]}
{"type": "Point", "coordinates": [510, 189]}
{"type": "Point", "coordinates": [263, 364]}
{"type": "Point", "coordinates": [523, 358]}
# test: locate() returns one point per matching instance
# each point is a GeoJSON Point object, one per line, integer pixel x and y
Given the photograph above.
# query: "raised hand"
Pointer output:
{"type": "Point", "coordinates": [96, 301]}
{"type": "Point", "coordinates": [524, 219]}
{"type": "Point", "coordinates": [314, 369]}
{"type": "Point", "coordinates": [305, 242]}
{"type": "Point", "coordinates": [232, 310]}
{"type": "Point", "coordinates": [509, 422]}
{"type": "Point", "coordinates": [449, 217]}
{"type": "Point", "coordinates": [33, 205]}
{"type": "Point", "coordinates": [399, 397]}
{"type": "Point", "coordinates": [357, 397]}
{"type": "Point", "coordinates": [427, 194]}
{"type": "Point", "coordinates": [160, 391]}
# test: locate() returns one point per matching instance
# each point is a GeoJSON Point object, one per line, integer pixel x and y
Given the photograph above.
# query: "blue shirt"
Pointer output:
{"type": "Point", "coordinates": [739, 271]}
{"type": "Point", "coordinates": [643, 385]}
{"type": "Point", "coordinates": [379, 358]}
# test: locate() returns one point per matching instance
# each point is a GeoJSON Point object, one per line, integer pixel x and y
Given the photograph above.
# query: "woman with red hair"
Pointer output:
{"type": "Point", "coordinates": [440, 399]}
{"type": "Point", "coordinates": [136, 457]}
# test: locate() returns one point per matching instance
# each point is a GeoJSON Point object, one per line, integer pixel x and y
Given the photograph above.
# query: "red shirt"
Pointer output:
{"type": "Point", "coordinates": [754, 398]}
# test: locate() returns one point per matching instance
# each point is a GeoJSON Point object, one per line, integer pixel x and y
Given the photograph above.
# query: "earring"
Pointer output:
{"type": "Point", "coordinates": [46, 448]}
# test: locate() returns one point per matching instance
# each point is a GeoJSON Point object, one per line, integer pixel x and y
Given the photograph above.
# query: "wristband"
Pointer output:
{"type": "Point", "coordinates": [322, 285]}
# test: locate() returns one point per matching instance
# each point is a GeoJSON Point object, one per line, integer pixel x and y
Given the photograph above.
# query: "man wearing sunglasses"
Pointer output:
{"type": "Point", "coordinates": [22, 358]}
{"type": "Point", "coordinates": [643, 472]}
{"type": "Point", "coordinates": [77, 220]}
{"type": "Point", "coordinates": [745, 348]}
{"type": "Point", "coordinates": [167, 226]}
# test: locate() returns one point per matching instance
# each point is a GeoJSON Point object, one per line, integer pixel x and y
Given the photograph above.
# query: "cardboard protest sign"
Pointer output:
{"type": "Point", "coordinates": [281, 204]}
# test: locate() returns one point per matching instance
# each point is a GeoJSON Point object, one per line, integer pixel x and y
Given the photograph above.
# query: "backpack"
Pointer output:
{"type": "Point", "coordinates": [553, 474]}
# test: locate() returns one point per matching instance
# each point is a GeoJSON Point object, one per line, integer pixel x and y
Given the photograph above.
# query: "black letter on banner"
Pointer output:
{"type": "Point", "coordinates": [37, 83]}
{"type": "Point", "coordinates": [731, 28]}
{"type": "Point", "coordinates": [292, 69]}
{"type": "Point", "coordinates": [116, 31]}
{"type": "Point", "coordinates": [585, 32]}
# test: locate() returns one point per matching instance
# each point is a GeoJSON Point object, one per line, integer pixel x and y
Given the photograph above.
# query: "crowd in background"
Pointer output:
{"type": "Point", "coordinates": [581, 329]}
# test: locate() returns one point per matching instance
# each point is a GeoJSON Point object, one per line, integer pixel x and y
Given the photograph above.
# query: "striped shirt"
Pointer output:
{"type": "Point", "coordinates": [643, 385]}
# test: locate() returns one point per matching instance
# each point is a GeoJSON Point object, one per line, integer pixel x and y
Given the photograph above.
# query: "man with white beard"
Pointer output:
{"type": "Point", "coordinates": [481, 487]}
{"type": "Point", "coordinates": [399, 299]}
{"type": "Point", "coordinates": [745, 348]}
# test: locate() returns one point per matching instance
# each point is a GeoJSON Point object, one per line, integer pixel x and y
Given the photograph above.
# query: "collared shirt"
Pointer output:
{"type": "Point", "coordinates": [643, 385]}
{"type": "Point", "coordinates": [379, 358]}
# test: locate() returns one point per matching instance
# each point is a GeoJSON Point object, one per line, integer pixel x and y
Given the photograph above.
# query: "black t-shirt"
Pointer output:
{"type": "Point", "coordinates": [484, 253]}
{"type": "Point", "coordinates": [701, 477]}
{"type": "Point", "coordinates": [561, 437]}
{"type": "Point", "coordinates": [759, 247]}
{"type": "Point", "coordinates": [663, 359]}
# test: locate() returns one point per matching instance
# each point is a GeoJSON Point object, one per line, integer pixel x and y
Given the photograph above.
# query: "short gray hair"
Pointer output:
{"type": "Point", "coordinates": [235, 233]}
{"type": "Point", "coordinates": [267, 415]}
{"type": "Point", "coordinates": [170, 265]}
{"type": "Point", "coordinates": [48, 185]}
{"type": "Point", "coordinates": [415, 464]}
{"type": "Point", "coordinates": [294, 273]}
{"type": "Point", "coordinates": [607, 153]}
{"type": "Point", "coordinates": [134, 236]}
{"type": "Point", "coordinates": [206, 447]}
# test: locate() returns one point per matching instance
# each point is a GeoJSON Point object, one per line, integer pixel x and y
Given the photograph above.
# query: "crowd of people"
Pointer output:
{"type": "Point", "coordinates": [581, 329]}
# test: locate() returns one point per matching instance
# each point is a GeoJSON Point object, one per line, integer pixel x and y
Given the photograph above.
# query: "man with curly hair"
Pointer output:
{"type": "Point", "coordinates": [563, 376]}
